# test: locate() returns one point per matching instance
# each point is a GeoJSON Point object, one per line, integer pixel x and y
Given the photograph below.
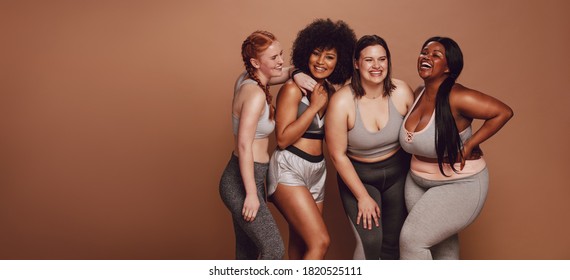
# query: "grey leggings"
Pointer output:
{"type": "Point", "coordinates": [438, 210]}
{"type": "Point", "coordinates": [259, 239]}
{"type": "Point", "coordinates": [384, 182]}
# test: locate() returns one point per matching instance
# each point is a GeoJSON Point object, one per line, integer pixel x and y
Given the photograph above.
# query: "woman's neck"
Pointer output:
{"type": "Point", "coordinates": [431, 86]}
{"type": "Point", "coordinates": [373, 90]}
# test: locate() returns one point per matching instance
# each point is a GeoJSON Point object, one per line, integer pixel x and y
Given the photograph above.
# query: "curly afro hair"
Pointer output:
{"type": "Point", "coordinates": [326, 34]}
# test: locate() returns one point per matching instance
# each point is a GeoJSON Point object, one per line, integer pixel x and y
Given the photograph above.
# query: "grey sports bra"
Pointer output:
{"type": "Point", "coordinates": [265, 126]}
{"type": "Point", "coordinates": [366, 144]}
{"type": "Point", "coordinates": [316, 129]}
{"type": "Point", "coordinates": [422, 143]}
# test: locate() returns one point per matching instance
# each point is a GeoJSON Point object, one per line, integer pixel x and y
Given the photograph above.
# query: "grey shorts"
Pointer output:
{"type": "Point", "coordinates": [293, 167]}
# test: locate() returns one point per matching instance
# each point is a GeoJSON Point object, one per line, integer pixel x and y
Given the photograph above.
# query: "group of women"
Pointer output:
{"type": "Point", "coordinates": [409, 168]}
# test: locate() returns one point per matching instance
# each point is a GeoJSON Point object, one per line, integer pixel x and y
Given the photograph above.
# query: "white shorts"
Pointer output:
{"type": "Point", "coordinates": [293, 167]}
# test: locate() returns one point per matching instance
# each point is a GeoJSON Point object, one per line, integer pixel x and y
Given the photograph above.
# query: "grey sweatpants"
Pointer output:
{"type": "Point", "coordinates": [438, 210]}
{"type": "Point", "coordinates": [260, 238]}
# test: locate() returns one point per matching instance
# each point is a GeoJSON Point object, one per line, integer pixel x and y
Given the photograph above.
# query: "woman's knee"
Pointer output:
{"type": "Point", "coordinates": [408, 240]}
{"type": "Point", "coordinates": [324, 241]}
{"type": "Point", "coordinates": [319, 242]}
{"type": "Point", "coordinates": [275, 252]}
{"type": "Point", "coordinates": [371, 239]}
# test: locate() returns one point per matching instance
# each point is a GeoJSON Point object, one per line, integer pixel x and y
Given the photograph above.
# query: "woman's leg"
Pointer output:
{"type": "Point", "coordinates": [296, 249]}
{"type": "Point", "coordinates": [393, 213]}
{"type": "Point", "coordinates": [369, 241]}
{"type": "Point", "coordinates": [305, 219]}
{"type": "Point", "coordinates": [442, 211]}
{"type": "Point", "coordinates": [245, 247]}
{"type": "Point", "coordinates": [384, 182]}
{"type": "Point", "coordinates": [262, 232]}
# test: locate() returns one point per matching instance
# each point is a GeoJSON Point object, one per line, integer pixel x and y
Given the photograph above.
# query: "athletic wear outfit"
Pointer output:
{"type": "Point", "coordinates": [384, 181]}
{"type": "Point", "coordinates": [294, 167]}
{"type": "Point", "coordinates": [439, 206]}
{"type": "Point", "coordinates": [260, 238]}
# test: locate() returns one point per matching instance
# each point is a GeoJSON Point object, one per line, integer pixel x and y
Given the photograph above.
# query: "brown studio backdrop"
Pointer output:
{"type": "Point", "coordinates": [115, 120]}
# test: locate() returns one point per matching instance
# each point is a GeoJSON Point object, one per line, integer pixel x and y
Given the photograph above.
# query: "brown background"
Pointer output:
{"type": "Point", "coordinates": [115, 120]}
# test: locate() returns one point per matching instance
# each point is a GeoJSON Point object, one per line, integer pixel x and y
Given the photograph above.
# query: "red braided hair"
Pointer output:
{"type": "Point", "coordinates": [254, 44]}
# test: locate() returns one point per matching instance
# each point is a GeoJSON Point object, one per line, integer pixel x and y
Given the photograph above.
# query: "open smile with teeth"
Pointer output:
{"type": "Point", "coordinates": [376, 73]}
{"type": "Point", "coordinates": [320, 69]}
{"type": "Point", "coordinates": [425, 65]}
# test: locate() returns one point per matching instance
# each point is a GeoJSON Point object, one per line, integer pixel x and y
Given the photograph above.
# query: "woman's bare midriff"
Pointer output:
{"type": "Point", "coordinates": [310, 146]}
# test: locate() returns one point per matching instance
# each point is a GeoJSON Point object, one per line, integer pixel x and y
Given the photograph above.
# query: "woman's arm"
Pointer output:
{"type": "Point", "coordinates": [472, 104]}
{"type": "Point", "coordinates": [251, 110]}
{"type": "Point", "coordinates": [336, 133]}
{"type": "Point", "coordinates": [304, 81]}
{"type": "Point", "coordinates": [289, 128]}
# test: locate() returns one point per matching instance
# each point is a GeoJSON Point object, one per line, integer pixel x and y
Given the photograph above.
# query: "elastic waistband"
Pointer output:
{"type": "Point", "coordinates": [398, 156]}
{"type": "Point", "coordinates": [309, 135]}
{"type": "Point", "coordinates": [430, 171]}
{"type": "Point", "coordinates": [302, 154]}
{"type": "Point", "coordinates": [235, 158]}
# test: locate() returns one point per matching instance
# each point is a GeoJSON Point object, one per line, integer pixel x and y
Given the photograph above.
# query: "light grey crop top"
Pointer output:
{"type": "Point", "coordinates": [265, 126]}
{"type": "Point", "coordinates": [316, 129]}
{"type": "Point", "coordinates": [422, 143]}
{"type": "Point", "coordinates": [366, 144]}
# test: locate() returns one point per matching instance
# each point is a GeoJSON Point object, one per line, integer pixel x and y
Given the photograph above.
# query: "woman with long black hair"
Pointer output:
{"type": "Point", "coordinates": [448, 179]}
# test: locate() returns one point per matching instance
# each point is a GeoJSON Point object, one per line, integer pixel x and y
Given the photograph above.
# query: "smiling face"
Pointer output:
{"type": "Point", "coordinates": [269, 62]}
{"type": "Point", "coordinates": [322, 63]}
{"type": "Point", "coordinates": [372, 64]}
{"type": "Point", "coordinates": [432, 62]}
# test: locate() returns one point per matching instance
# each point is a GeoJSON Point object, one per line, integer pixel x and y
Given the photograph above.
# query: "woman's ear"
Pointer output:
{"type": "Point", "coordinates": [254, 62]}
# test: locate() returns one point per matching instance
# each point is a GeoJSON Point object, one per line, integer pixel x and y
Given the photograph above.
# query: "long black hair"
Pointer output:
{"type": "Point", "coordinates": [448, 143]}
{"type": "Point", "coordinates": [362, 43]}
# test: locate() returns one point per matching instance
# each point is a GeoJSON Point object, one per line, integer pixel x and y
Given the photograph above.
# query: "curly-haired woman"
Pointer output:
{"type": "Point", "coordinates": [297, 169]}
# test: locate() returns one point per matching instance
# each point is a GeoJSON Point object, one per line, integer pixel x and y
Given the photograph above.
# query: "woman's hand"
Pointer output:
{"type": "Point", "coordinates": [250, 207]}
{"type": "Point", "coordinates": [304, 82]}
{"type": "Point", "coordinates": [319, 97]}
{"type": "Point", "coordinates": [368, 211]}
{"type": "Point", "coordinates": [470, 153]}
